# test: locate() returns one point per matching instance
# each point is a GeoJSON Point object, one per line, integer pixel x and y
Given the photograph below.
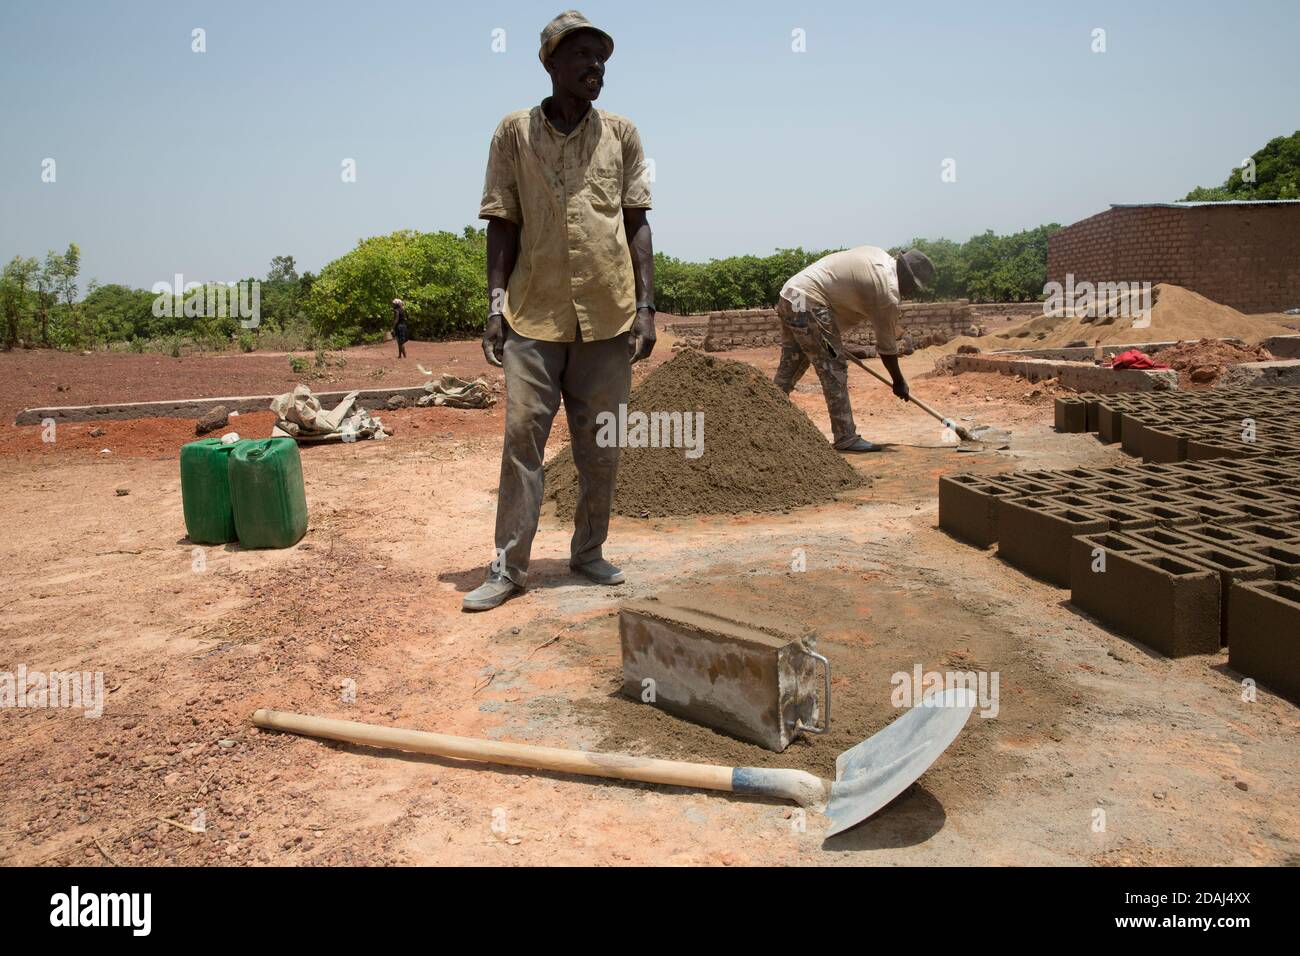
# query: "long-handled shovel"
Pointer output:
{"type": "Point", "coordinates": [867, 776]}
{"type": "Point", "coordinates": [977, 433]}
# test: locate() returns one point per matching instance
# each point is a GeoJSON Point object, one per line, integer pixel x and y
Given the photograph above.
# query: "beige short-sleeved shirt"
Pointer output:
{"type": "Point", "coordinates": [567, 194]}
{"type": "Point", "coordinates": [857, 285]}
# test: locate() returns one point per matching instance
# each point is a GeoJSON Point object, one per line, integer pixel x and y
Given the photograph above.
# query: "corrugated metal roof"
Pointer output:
{"type": "Point", "coordinates": [1193, 205]}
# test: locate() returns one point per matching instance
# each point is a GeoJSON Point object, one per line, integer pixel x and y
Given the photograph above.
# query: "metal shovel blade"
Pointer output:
{"type": "Point", "coordinates": [877, 770]}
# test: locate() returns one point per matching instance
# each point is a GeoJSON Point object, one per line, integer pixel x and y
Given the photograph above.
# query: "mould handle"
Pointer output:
{"type": "Point", "coordinates": [799, 725]}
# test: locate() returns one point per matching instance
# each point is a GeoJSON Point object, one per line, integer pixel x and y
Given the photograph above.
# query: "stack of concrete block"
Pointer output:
{"type": "Point", "coordinates": [1161, 427]}
{"type": "Point", "coordinates": [1166, 554]}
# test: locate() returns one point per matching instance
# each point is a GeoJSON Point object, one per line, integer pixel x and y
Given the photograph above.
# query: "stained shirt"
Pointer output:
{"type": "Point", "coordinates": [567, 193]}
{"type": "Point", "coordinates": [857, 285]}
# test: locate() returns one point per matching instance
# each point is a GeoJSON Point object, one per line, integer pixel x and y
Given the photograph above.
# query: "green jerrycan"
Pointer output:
{"type": "Point", "coordinates": [266, 493]}
{"type": "Point", "coordinates": [205, 491]}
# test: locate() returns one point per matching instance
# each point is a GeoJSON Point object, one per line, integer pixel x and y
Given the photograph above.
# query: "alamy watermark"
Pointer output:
{"type": "Point", "coordinates": [212, 300]}
{"type": "Point", "coordinates": [1098, 300]}
{"type": "Point", "coordinates": [83, 690]}
{"type": "Point", "coordinates": [921, 688]}
{"type": "Point", "coordinates": [651, 430]}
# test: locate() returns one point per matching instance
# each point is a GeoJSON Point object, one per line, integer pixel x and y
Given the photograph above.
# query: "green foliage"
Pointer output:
{"type": "Point", "coordinates": [297, 365]}
{"type": "Point", "coordinates": [1276, 175]}
{"type": "Point", "coordinates": [1011, 268]}
{"type": "Point", "coordinates": [737, 282]}
{"type": "Point", "coordinates": [440, 276]}
{"type": "Point", "coordinates": [986, 268]}
{"type": "Point", "coordinates": [15, 282]}
{"type": "Point", "coordinates": [112, 313]}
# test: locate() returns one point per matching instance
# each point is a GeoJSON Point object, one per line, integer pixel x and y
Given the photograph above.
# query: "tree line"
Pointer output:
{"type": "Point", "coordinates": [439, 277]}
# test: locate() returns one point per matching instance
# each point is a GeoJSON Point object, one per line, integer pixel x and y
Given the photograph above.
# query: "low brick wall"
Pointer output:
{"type": "Point", "coordinates": [1018, 309]}
{"type": "Point", "coordinates": [921, 324]}
{"type": "Point", "coordinates": [1080, 376]}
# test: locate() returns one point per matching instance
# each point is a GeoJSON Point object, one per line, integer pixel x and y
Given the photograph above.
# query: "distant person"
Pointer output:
{"type": "Point", "coordinates": [401, 331]}
{"type": "Point", "coordinates": [570, 296]}
{"type": "Point", "coordinates": [839, 291]}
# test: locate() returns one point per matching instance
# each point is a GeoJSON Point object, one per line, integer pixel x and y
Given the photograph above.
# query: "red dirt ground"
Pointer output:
{"type": "Point", "coordinates": [191, 640]}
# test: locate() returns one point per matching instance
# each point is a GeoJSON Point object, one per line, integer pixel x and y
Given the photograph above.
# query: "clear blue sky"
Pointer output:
{"type": "Point", "coordinates": [210, 164]}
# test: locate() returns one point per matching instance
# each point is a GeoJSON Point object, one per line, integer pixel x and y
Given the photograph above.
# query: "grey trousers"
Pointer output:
{"type": "Point", "coordinates": [592, 377]}
{"type": "Point", "coordinates": [797, 354]}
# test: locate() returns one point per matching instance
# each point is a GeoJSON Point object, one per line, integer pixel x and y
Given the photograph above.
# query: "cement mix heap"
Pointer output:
{"type": "Point", "coordinates": [747, 447]}
{"type": "Point", "coordinates": [1175, 314]}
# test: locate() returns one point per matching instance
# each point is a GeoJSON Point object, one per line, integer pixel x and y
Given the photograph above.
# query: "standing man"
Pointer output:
{"type": "Point", "coordinates": [401, 331]}
{"type": "Point", "coordinates": [837, 292]}
{"type": "Point", "coordinates": [570, 292]}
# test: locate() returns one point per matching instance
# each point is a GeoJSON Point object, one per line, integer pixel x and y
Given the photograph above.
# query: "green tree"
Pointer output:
{"type": "Point", "coordinates": [282, 270]}
{"type": "Point", "coordinates": [439, 275]}
{"type": "Point", "coordinates": [17, 276]}
{"type": "Point", "coordinates": [44, 287]}
{"type": "Point", "coordinates": [62, 271]}
{"type": "Point", "coordinates": [115, 313]}
{"type": "Point", "coordinates": [1275, 175]}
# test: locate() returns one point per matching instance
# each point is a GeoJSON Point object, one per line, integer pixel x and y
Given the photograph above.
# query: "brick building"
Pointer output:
{"type": "Point", "coordinates": [1243, 254]}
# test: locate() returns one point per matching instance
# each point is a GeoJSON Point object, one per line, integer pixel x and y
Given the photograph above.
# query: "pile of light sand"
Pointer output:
{"type": "Point", "coordinates": [760, 452]}
{"type": "Point", "coordinates": [1177, 314]}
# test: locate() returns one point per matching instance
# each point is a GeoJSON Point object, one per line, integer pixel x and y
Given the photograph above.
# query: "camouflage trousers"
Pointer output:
{"type": "Point", "coordinates": [799, 350]}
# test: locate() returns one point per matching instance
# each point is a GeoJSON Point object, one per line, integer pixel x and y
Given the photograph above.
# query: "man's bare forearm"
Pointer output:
{"type": "Point", "coordinates": [502, 252]}
{"type": "Point", "coordinates": [639, 242]}
{"type": "Point", "coordinates": [901, 388]}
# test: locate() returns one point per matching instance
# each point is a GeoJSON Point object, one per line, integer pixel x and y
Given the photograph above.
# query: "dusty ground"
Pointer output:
{"type": "Point", "coordinates": [191, 641]}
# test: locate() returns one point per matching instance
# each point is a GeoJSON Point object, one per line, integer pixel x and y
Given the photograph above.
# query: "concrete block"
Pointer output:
{"type": "Point", "coordinates": [1283, 346]}
{"type": "Point", "coordinates": [1266, 531]}
{"type": "Point", "coordinates": [749, 677]}
{"type": "Point", "coordinates": [1260, 506]}
{"type": "Point", "coordinates": [1168, 516]}
{"type": "Point", "coordinates": [1034, 535]}
{"type": "Point", "coordinates": [968, 508]}
{"type": "Point", "coordinates": [1230, 565]}
{"type": "Point", "coordinates": [1256, 374]}
{"type": "Point", "coordinates": [1110, 423]}
{"type": "Point", "coordinates": [1210, 510]}
{"type": "Point", "coordinates": [1071, 415]}
{"type": "Point", "coordinates": [1208, 448]}
{"type": "Point", "coordinates": [373, 398]}
{"type": "Point", "coordinates": [1264, 635]}
{"type": "Point", "coordinates": [1162, 444]}
{"type": "Point", "coordinates": [1119, 518]}
{"type": "Point", "coordinates": [1283, 558]}
{"type": "Point", "coordinates": [1232, 536]}
{"type": "Point", "coordinates": [1133, 436]}
{"type": "Point", "coordinates": [1169, 604]}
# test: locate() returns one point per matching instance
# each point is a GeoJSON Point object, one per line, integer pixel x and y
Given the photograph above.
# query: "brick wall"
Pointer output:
{"type": "Point", "coordinates": [1001, 309]}
{"type": "Point", "coordinates": [1244, 256]}
{"type": "Point", "coordinates": [922, 323]}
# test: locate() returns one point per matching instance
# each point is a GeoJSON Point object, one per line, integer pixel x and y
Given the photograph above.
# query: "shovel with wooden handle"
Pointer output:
{"type": "Point", "coordinates": [867, 776]}
{"type": "Point", "coordinates": [830, 342]}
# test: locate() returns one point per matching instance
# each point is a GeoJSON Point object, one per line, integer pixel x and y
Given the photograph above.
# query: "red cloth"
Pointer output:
{"type": "Point", "coordinates": [1136, 358]}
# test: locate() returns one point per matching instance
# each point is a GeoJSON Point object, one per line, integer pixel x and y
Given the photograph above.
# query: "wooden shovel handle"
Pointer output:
{"type": "Point", "coordinates": [911, 398]}
{"type": "Point", "coordinates": [673, 772]}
